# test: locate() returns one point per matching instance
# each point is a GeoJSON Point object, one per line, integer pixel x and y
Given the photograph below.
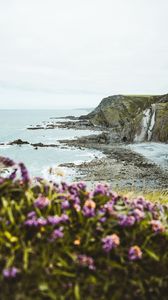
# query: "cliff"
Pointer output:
{"type": "Point", "coordinates": [135, 118]}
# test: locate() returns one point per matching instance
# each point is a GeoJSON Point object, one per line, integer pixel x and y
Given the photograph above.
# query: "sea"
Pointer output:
{"type": "Point", "coordinates": [13, 125]}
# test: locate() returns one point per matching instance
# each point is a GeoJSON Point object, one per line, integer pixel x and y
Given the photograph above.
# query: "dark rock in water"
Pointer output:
{"type": "Point", "coordinates": [77, 125]}
{"type": "Point", "coordinates": [18, 142]}
{"type": "Point", "coordinates": [67, 165]}
{"type": "Point", "coordinates": [36, 128]}
{"type": "Point", "coordinates": [50, 126]}
{"type": "Point", "coordinates": [36, 145]}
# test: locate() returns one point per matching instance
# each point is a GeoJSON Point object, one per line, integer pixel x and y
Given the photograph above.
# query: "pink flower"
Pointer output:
{"type": "Point", "coordinates": [86, 261]}
{"type": "Point", "coordinates": [157, 226]}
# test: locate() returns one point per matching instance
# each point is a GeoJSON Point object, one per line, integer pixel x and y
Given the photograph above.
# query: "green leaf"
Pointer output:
{"type": "Point", "coordinates": [63, 273]}
{"type": "Point", "coordinates": [10, 214]}
{"type": "Point", "coordinates": [77, 292]}
{"type": "Point", "coordinates": [152, 255]}
{"type": "Point", "coordinates": [12, 239]}
{"type": "Point", "coordinates": [116, 265]}
{"type": "Point", "coordinates": [25, 258]}
{"type": "Point", "coordinates": [43, 287]}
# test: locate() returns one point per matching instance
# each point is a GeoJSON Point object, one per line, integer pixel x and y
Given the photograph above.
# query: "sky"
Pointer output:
{"type": "Point", "coordinates": [73, 53]}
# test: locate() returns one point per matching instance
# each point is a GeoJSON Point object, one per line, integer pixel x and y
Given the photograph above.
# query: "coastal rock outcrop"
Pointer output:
{"type": "Point", "coordinates": [131, 118]}
{"type": "Point", "coordinates": [18, 142]}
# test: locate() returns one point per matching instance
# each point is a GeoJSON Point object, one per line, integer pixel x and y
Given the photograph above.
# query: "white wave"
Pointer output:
{"type": "Point", "coordinates": [156, 152]}
{"type": "Point", "coordinates": [5, 146]}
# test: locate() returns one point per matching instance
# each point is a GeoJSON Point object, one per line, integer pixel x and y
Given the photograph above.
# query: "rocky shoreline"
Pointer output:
{"type": "Point", "coordinates": [121, 167]}
{"type": "Point", "coordinates": [66, 123]}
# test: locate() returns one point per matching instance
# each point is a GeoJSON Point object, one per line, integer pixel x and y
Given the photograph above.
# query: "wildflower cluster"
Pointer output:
{"type": "Point", "coordinates": [68, 242]}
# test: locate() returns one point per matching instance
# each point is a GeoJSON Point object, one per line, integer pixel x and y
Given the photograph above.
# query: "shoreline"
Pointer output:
{"type": "Point", "coordinates": [121, 167]}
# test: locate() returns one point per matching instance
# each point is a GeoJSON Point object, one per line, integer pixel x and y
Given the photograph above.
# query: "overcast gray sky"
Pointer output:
{"type": "Point", "coordinates": [62, 53]}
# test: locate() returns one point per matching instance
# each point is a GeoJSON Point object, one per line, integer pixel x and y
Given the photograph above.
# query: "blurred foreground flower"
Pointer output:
{"type": "Point", "coordinates": [89, 208]}
{"type": "Point", "coordinates": [57, 233]}
{"type": "Point", "coordinates": [41, 202]}
{"type": "Point", "coordinates": [157, 226]}
{"type": "Point", "coordinates": [135, 253]}
{"type": "Point", "coordinates": [86, 261]}
{"type": "Point", "coordinates": [10, 272]}
{"type": "Point", "coordinates": [110, 242]}
{"type": "Point", "coordinates": [6, 162]}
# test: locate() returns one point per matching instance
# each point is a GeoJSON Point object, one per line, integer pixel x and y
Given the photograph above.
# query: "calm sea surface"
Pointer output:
{"type": "Point", "coordinates": [13, 124]}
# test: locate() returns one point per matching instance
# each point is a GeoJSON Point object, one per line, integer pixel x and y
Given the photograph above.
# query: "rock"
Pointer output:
{"type": "Point", "coordinates": [160, 131]}
{"type": "Point", "coordinates": [67, 165]}
{"type": "Point", "coordinates": [50, 126]}
{"type": "Point", "coordinates": [18, 142]}
{"type": "Point", "coordinates": [36, 145]}
{"type": "Point", "coordinates": [36, 128]}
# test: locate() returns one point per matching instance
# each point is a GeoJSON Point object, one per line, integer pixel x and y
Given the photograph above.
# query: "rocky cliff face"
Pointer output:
{"type": "Point", "coordinates": [133, 118]}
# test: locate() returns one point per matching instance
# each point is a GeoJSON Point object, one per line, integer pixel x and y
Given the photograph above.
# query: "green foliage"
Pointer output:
{"type": "Point", "coordinates": [70, 256]}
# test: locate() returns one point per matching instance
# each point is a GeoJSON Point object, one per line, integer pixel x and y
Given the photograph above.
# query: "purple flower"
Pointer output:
{"type": "Point", "coordinates": [41, 221]}
{"type": "Point", "coordinates": [2, 180]}
{"type": "Point", "coordinates": [64, 218]}
{"type": "Point", "coordinates": [39, 179]}
{"type": "Point", "coordinates": [101, 211]}
{"type": "Point", "coordinates": [24, 173]}
{"type": "Point", "coordinates": [149, 206]}
{"type": "Point", "coordinates": [57, 233]}
{"type": "Point", "coordinates": [103, 219]}
{"type": "Point", "coordinates": [64, 186]}
{"type": "Point", "coordinates": [157, 226]}
{"type": "Point", "coordinates": [110, 242]}
{"type": "Point", "coordinates": [75, 199]}
{"type": "Point", "coordinates": [54, 220]}
{"type": "Point", "coordinates": [81, 185]}
{"type": "Point", "coordinates": [138, 214]}
{"type": "Point", "coordinates": [109, 206]}
{"type": "Point", "coordinates": [86, 261]}
{"type": "Point", "coordinates": [65, 204]}
{"type": "Point", "coordinates": [101, 189]}
{"type": "Point", "coordinates": [135, 253]}
{"type": "Point", "coordinates": [88, 211]}
{"type": "Point", "coordinates": [89, 208]}
{"type": "Point", "coordinates": [7, 162]}
{"type": "Point", "coordinates": [141, 200]}
{"type": "Point", "coordinates": [73, 189]}
{"type": "Point", "coordinates": [41, 202]}
{"type": "Point", "coordinates": [125, 220]}
{"type": "Point", "coordinates": [31, 222]}
{"type": "Point", "coordinates": [10, 272]}
{"type": "Point", "coordinates": [31, 214]}
{"type": "Point", "coordinates": [12, 176]}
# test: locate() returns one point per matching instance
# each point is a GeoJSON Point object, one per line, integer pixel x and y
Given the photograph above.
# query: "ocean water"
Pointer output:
{"type": "Point", "coordinates": [155, 152]}
{"type": "Point", "coordinates": [13, 125]}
